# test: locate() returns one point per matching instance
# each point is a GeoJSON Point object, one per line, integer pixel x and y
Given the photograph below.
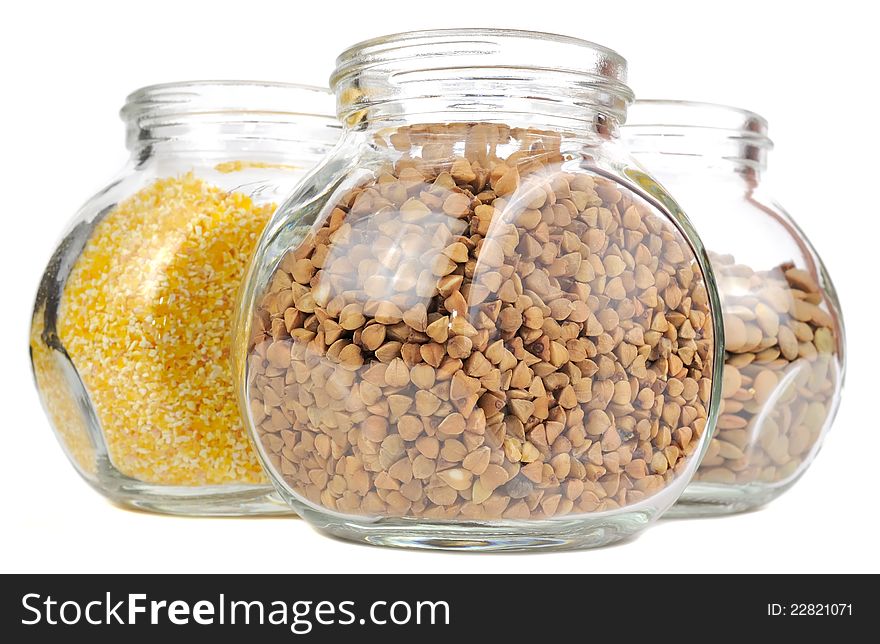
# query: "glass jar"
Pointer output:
{"type": "Point", "coordinates": [472, 326]}
{"type": "Point", "coordinates": [130, 333]}
{"type": "Point", "coordinates": [784, 337]}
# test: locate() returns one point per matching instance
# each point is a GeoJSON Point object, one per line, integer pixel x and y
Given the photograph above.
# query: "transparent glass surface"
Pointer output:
{"type": "Point", "coordinates": [784, 338]}
{"type": "Point", "coordinates": [130, 333]}
{"type": "Point", "coordinates": [474, 328]}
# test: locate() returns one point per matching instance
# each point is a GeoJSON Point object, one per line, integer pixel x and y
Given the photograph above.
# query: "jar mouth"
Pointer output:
{"type": "Point", "coordinates": [468, 64]}
{"type": "Point", "coordinates": [706, 133]}
{"type": "Point", "coordinates": [232, 97]}
{"type": "Point", "coordinates": [674, 125]}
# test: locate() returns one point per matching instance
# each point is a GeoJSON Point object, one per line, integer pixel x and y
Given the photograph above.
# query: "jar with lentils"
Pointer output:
{"type": "Point", "coordinates": [472, 326]}
{"type": "Point", "coordinates": [130, 334]}
{"type": "Point", "coordinates": [784, 336]}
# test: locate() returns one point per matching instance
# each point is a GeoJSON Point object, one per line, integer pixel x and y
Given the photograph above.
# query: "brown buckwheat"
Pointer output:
{"type": "Point", "coordinates": [482, 334]}
{"type": "Point", "coordinates": [780, 373]}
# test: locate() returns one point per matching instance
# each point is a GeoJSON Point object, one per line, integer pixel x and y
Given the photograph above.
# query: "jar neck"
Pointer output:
{"type": "Point", "coordinates": [519, 79]}
{"type": "Point", "coordinates": [733, 172]}
{"type": "Point", "coordinates": [244, 119]}
{"type": "Point", "coordinates": [685, 137]}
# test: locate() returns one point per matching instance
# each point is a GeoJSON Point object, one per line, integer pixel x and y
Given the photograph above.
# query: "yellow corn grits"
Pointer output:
{"type": "Point", "coordinates": [146, 315]}
{"type": "Point", "coordinates": [58, 399]}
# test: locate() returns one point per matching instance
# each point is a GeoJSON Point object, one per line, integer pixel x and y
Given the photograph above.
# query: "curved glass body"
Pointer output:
{"type": "Point", "coordinates": [784, 337]}
{"type": "Point", "coordinates": [471, 326]}
{"type": "Point", "coordinates": [130, 333]}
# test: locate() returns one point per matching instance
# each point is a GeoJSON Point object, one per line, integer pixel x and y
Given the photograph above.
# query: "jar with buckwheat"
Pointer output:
{"type": "Point", "coordinates": [784, 336]}
{"type": "Point", "coordinates": [472, 326]}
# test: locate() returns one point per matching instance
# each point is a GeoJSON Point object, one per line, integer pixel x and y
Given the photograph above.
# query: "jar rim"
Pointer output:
{"type": "Point", "coordinates": [475, 69]}
{"type": "Point", "coordinates": [673, 116]}
{"type": "Point", "coordinates": [388, 44]}
{"type": "Point", "coordinates": [180, 98]}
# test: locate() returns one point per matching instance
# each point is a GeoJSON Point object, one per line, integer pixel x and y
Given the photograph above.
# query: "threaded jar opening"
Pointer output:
{"type": "Point", "coordinates": [471, 74]}
{"type": "Point", "coordinates": [693, 129]}
{"type": "Point", "coordinates": [227, 110]}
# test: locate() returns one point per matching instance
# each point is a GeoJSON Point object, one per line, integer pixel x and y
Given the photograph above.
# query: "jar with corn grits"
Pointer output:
{"type": "Point", "coordinates": [131, 325]}
{"type": "Point", "coordinates": [472, 326]}
{"type": "Point", "coordinates": [784, 336]}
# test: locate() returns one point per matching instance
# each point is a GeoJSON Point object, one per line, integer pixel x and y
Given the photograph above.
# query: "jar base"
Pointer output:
{"type": "Point", "coordinates": [572, 533]}
{"type": "Point", "coordinates": [204, 501]}
{"type": "Point", "coordinates": [714, 499]}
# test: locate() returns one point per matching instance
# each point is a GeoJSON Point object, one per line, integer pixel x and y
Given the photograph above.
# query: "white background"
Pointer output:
{"type": "Point", "coordinates": [809, 67]}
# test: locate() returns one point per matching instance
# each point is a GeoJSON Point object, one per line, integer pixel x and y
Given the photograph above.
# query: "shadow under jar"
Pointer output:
{"type": "Point", "coordinates": [784, 336]}
{"type": "Point", "coordinates": [463, 330]}
{"type": "Point", "coordinates": [130, 333]}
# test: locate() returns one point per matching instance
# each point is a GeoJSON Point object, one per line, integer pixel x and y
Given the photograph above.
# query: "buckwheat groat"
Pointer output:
{"type": "Point", "coordinates": [784, 339]}
{"type": "Point", "coordinates": [780, 374]}
{"type": "Point", "coordinates": [482, 335]}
